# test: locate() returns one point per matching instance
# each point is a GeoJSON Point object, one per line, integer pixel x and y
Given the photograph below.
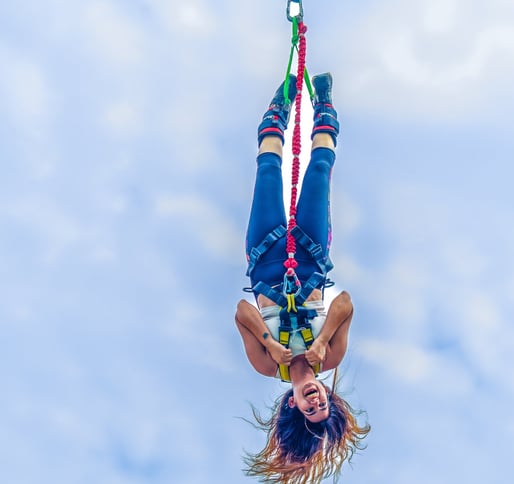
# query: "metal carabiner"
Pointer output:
{"type": "Point", "coordinates": [292, 285]}
{"type": "Point", "coordinates": [294, 10]}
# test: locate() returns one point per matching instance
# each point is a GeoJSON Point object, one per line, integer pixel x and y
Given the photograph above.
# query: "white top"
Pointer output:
{"type": "Point", "coordinates": [271, 316]}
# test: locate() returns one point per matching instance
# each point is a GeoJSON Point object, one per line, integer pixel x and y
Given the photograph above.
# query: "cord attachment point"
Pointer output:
{"type": "Point", "coordinates": [294, 10]}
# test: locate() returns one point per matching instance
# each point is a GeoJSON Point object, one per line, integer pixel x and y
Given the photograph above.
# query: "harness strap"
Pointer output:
{"type": "Point", "coordinates": [312, 283]}
{"type": "Point", "coordinates": [315, 250]}
{"type": "Point", "coordinates": [278, 297]}
{"type": "Point", "coordinates": [283, 371]}
{"type": "Point", "coordinates": [266, 290]}
{"type": "Point", "coordinates": [284, 335]}
{"type": "Point", "coordinates": [301, 317]}
{"type": "Point", "coordinates": [257, 252]}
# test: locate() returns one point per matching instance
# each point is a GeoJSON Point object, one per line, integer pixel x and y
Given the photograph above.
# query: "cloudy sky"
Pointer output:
{"type": "Point", "coordinates": [127, 145]}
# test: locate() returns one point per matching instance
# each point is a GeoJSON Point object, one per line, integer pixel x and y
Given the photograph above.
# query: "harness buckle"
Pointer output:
{"type": "Point", "coordinates": [284, 334]}
{"type": "Point", "coordinates": [317, 251]}
{"type": "Point", "coordinates": [292, 285]}
{"type": "Point", "coordinates": [307, 336]}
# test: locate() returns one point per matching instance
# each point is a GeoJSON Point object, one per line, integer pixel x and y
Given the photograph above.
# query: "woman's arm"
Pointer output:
{"type": "Point", "coordinates": [330, 345]}
{"type": "Point", "coordinates": [263, 352]}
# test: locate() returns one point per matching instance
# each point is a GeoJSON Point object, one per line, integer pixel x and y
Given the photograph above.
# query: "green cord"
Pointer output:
{"type": "Point", "coordinates": [308, 84]}
{"type": "Point", "coordinates": [294, 46]}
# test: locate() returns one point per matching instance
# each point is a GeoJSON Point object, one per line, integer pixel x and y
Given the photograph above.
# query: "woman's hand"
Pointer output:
{"type": "Point", "coordinates": [317, 352]}
{"type": "Point", "coordinates": [280, 354]}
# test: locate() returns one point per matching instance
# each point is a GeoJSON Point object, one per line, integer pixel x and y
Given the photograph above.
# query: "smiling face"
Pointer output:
{"type": "Point", "coordinates": [312, 400]}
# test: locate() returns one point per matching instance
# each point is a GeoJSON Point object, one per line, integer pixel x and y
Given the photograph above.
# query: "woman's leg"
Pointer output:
{"type": "Point", "coordinates": [313, 212]}
{"type": "Point", "coordinates": [267, 212]}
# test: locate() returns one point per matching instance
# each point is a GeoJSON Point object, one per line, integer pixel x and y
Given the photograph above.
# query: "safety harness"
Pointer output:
{"type": "Point", "coordinates": [292, 294]}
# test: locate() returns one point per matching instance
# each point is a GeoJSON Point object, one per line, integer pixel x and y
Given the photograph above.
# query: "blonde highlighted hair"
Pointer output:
{"type": "Point", "coordinates": [301, 452]}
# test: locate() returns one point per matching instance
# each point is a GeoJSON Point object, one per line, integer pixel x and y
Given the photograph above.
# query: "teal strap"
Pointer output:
{"type": "Point", "coordinates": [312, 283]}
{"type": "Point", "coordinates": [315, 250]}
{"type": "Point", "coordinates": [270, 293]}
{"type": "Point", "coordinates": [257, 252]}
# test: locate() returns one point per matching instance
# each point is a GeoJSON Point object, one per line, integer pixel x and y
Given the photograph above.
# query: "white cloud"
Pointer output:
{"type": "Point", "coordinates": [462, 257]}
{"type": "Point", "coordinates": [208, 344]}
{"type": "Point", "coordinates": [351, 217]}
{"type": "Point", "coordinates": [483, 327]}
{"type": "Point", "coordinates": [441, 16]}
{"type": "Point", "coordinates": [442, 59]}
{"type": "Point", "coordinates": [200, 218]}
{"type": "Point", "coordinates": [193, 19]}
{"type": "Point", "coordinates": [24, 89]}
{"type": "Point", "coordinates": [403, 292]}
{"type": "Point", "coordinates": [112, 34]}
{"type": "Point", "coordinates": [51, 226]}
{"type": "Point", "coordinates": [433, 285]}
{"type": "Point", "coordinates": [411, 364]}
{"type": "Point", "coordinates": [123, 118]}
{"type": "Point", "coordinates": [404, 361]}
{"type": "Point", "coordinates": [354, 273]}
{"type": "Point", "coordinates": [54, 229]}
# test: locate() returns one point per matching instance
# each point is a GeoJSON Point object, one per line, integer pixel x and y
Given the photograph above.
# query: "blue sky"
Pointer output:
{"type": "Point", "coordinates": [127, 144]}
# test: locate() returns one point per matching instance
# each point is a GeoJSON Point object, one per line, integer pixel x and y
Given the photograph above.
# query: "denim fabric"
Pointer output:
{"type": "Point", "coordinates": [268, 212]}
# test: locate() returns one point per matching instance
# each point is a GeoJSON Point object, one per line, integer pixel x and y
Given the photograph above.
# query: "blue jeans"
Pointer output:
{"type": "Point", "coordinates": [268, 212]}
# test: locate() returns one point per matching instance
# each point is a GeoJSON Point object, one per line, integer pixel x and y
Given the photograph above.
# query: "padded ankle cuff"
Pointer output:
{"type": "Point", "coordinates": [272, 124]}
{"type": "Point", "coordinates": [325, 121]}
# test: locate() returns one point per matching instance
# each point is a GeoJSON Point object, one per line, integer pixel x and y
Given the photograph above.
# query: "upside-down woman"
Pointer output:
{"type": "Point", "coordinates": [312, 430]}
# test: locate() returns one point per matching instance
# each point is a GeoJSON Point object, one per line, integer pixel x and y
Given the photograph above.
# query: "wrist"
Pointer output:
{"type": "Point", "coordinates": [322, 339]}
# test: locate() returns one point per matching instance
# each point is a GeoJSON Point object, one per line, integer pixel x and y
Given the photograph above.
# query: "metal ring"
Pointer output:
{"type": "Point", "coordinates": [298, 7]}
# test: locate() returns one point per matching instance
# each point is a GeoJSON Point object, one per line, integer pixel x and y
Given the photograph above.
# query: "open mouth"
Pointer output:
{"type": "Point", "coordinates": [310, 391]}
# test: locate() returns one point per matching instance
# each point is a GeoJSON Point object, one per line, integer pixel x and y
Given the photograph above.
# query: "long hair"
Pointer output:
{"type": "Point", "coordinates": [298, 451]}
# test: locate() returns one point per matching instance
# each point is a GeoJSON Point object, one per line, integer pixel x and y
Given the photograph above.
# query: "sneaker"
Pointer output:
{"type": "Point", "coordinates": [325, 116]}
{"type": "Point", "coordinates": [276, 118]}
{"type": "Point", "coordinates": [323, 87]}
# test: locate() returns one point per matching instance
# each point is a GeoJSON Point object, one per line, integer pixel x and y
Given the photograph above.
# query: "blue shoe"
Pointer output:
{"type": "Point", "coordinates": [275, 119]}
{"type": "Point", "coordinates": [325, 116]}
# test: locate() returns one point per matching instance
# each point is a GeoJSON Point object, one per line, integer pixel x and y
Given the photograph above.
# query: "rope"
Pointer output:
{"type": "Point", "coordinates": [300, 44]}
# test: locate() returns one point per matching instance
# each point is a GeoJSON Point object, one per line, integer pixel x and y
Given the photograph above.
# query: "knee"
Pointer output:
{"type": "Point", "coordinates": [323, 157]}
{"type": "Point", "coordinates": [269, 160]}
{"type": "Point", "coordinates": [321, 166]}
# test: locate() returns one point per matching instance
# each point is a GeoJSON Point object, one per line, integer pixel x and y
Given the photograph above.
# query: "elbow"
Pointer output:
{"type": "Point", "coordinates": [241, 306]}
{"type": "Point", "coordinates": [241, 309]}
{"type": "Point", "coordinates": [344, 303]}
